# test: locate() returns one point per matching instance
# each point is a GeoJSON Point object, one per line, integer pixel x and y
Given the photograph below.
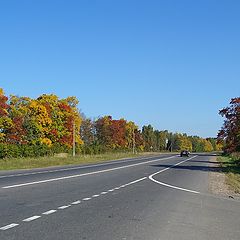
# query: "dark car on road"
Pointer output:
{"type": "Point", "coordinates": [184, 153]}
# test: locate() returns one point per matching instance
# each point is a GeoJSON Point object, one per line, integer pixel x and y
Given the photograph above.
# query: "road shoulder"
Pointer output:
{"type": "Point", "coordinates": [217, 181]}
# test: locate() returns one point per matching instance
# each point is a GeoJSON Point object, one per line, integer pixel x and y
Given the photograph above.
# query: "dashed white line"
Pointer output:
{"type": "Point", "coordinates": [97, 195]}
{"type": "Point", "coordinates": [9, 226]}
{"type": "Point", "coordinates": [64, 207]}
{"type": "Point", "coordinates": [84, 174]}
{"type": "Point", "coordinates": [76, 202]}
{"type": "Point", "coordinates": [49, 212]}
{"type": "Point", "coordinates": [31, 218]}
{"type": "Point", "coordinates": [103, 193]}
{"type": "Point", "coordinates": [136, 181]}
{"type": "Point", "coordinates": [86, 199]}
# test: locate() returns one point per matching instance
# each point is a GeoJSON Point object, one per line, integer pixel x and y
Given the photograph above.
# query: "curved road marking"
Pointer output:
{"type": "Point", "coordinates": [172, 186]}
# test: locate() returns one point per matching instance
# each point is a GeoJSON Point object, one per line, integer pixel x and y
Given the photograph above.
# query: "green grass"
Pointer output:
{"type": "Point", "coordinates": [231, 167]}
{"type": "Point", "coordinates": [29, 163]}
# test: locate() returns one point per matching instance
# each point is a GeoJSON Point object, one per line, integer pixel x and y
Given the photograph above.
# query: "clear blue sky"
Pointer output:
{"type": "Point", "coordinates": [173, 64]}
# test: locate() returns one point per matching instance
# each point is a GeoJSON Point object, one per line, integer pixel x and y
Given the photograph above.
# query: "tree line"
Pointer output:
{"type": "Point", "coordinates": [122, 135]}
{"type": "Point", "coordinates": [47, 124]}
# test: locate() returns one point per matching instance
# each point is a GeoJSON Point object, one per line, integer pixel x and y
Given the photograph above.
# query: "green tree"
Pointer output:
{"type": "Point", "coordinates": [149, 138]}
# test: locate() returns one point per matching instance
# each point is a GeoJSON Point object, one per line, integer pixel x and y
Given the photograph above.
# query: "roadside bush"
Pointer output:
{"type": "Point", "coordinates": [7, 151]}
{"type": "Point", "coordinates": [92, 149]}
{"type": "Point", "coordinates": [41, 150]}
{"type": "Point", "coordinates": [235, 157]}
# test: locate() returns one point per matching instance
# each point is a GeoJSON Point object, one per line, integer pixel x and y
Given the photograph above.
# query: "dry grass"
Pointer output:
{"type": "Point", "coordinates": [231, 167]}
{"type": "Point", "coordinates": [29, 163]}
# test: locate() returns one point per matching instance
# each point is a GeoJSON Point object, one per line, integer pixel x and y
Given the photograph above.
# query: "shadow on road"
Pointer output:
{"type": "Point", "coordinates": [212, 167]}
{"type": "Point", "coordinates": [211, 162]}
{"type": "Point", "coordinates": [206, 154]}
{"type": "Point", "coordinates": [192, 168]}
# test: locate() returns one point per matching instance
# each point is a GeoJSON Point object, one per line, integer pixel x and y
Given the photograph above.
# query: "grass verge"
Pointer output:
{"type": "Point", "coordinates": [41, 162]}
{"type": "Point", "coordinates": [231, 168]}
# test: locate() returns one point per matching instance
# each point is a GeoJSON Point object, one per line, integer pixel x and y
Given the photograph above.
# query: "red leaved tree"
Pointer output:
{"type": "Point", "coordinates": [230, 132]}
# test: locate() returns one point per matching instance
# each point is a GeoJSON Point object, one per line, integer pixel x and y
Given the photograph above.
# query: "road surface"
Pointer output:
{"type": "Point", "coordinates": [157, 197]}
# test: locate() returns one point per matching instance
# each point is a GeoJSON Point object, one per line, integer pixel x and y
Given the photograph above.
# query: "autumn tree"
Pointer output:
{"type": "Point", "coordinates": [87, 131]}
{"type": "Point", "coordinates": [5, 121]}
{"type": "Point", "coordinates": [64, 117]}
{"type": "Point", "coordinates": [103, 131]}
{"type": "Point", "coordinates": [18, 112]}
{"type": "Point", "coordinates": [230, 132]}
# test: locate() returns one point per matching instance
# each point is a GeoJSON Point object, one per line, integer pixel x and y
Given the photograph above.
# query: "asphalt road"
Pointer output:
{"type": "Point", "coordinates": [162, 197]}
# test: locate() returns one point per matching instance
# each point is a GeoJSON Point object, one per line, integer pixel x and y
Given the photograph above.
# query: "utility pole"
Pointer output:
{"type": "Point", "coordinates": [133, 141]}
{"type": "Point", "coordinates": [74, 139]}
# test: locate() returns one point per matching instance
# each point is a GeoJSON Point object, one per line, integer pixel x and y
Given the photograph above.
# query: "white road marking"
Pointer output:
{"type": "Point", "coordinates": [111, 190]}
{"type": "Point", "coordinates": [49, 212]}
{"type": "Point", "coordinates": [80, 167]}
{"type": "Point", "coordinates": [136, 181]}
{"type": "Point", "coordinates": [84, 174]}
{"type": "Point", "coordinates": [175, 187]}
{"type": "Point", "coordinates": [31, 218]}
{"type": "Point", "coordinates": [117, 188]}
{"type": "Point", "coordinates": [97, 195]}
{"type": "Point", "coordinates": [76, 202]}
{"type": "Point", "coordinates": [172, 186]}
{"type": "Point", "coordinates": [86, 199]}
{"type": "Point", "coordinates": [64, 207]}
{"type": "Point", "coordinates": [9, 226]}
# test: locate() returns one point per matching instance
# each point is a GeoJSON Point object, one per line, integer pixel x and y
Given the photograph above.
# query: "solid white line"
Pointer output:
{"type": "Point", "coordinates": [64, 207]}
{"type": "Point", "coordinates": [103, 193]}
{"type": "Point", "coordinates": [76, 202]}
{"type": "Point", "coordinates": [168, 185]}
{"type": "Point", "coordinates": [9, 226]}
{"type": "Point", "coordinates": [86, 199]}
{"type": "Point", "coordinates": [175, 187]}
{"type": "Point", "coordinates": [111, 190]}
{"type": "Point", "coordinates": [80, 167]}
{"type": "Point", "coordinates": [31, 219]}
{"type": "Point", "coordinates": [85, 174]}
{"type": "Point", "coordinates": [49, 212]}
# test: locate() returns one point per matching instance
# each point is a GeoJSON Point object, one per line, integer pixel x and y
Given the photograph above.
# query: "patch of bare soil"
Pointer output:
{"type": "Point", "coordinates": [217, 183]}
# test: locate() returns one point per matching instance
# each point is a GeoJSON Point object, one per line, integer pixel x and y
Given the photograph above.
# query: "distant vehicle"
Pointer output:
{"type": "Point", "coordinates": [184, 153]}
